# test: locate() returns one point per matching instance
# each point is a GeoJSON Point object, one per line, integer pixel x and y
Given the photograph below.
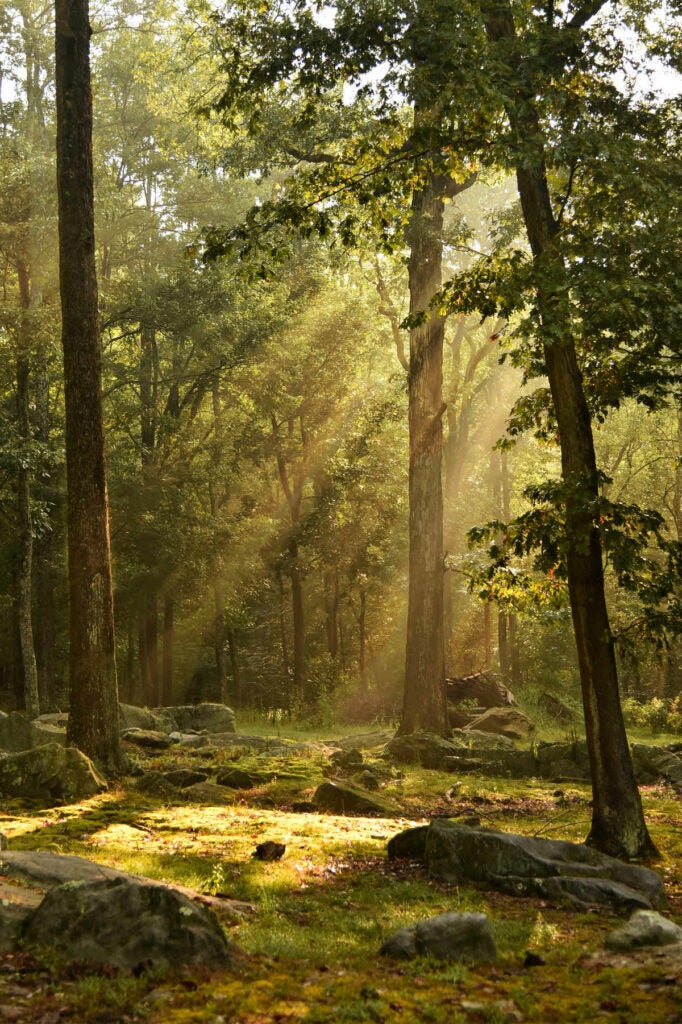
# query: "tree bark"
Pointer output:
{"type": "Point", "coordinates": [93, 716]}
{"type": "Point", "coordinates": [31, 698]}
{"type": "Point", "coordinates": [618, 827]}
{"type": "Point", "coordinates": [424, 701]}
{"type": "Point", "coordinates": [167, 663]}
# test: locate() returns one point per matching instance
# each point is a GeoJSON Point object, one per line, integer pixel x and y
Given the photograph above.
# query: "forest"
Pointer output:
{"type": "Point", "coordinates": [340, 355]}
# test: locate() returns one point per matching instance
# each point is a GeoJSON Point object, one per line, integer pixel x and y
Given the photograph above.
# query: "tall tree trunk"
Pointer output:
{"type": "Point", "coordinates": [45, 603]}
{"type": "Point", "coordinates": [284, 641]}
{"type": "Point", "coordinates": [424, 701]}
{"type": "Point", "coordinates": [331, 608]}
{"type": "Point", "coordinates": [298, 619]}
{"type": "Point", "coordinates": [24, 577]}
{"type": "Point", "coordinates": [234, 666]}
{"type": "Point", "coordinates": [151, 628]}
{"type": "Point", "coordinates": [168, 639]}
{"type": "Point", "coordinates": [93, 716]}
{"type": "Point", "coordinates": [363, 639]}
{"type": "Point", "coordinates": [618, 825]}
{"type": "Point", "coordinates": [219, 638]}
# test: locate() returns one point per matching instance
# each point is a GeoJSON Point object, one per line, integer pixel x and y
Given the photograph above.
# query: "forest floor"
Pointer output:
{"type": "Point", "coordinates": [322, 912]}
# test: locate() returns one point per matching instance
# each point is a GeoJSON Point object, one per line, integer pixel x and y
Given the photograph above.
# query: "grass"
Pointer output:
{"type": "Point", "coordinates": [323, 910]}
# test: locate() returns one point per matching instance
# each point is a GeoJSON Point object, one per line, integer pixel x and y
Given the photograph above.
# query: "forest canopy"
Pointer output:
{"type": "Point", "coordinates": [255, 174]}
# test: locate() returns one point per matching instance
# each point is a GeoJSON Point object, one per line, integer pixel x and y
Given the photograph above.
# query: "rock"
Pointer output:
{"type": "Point", "coordinates": [17, 733]}
{"type": "Point", "coordinates": [303, 807]}
{"type": "Point", "coordinates": [350, 759]}
{"type": "Point", "coordinates": [330, 796]}
{"type": "Point", "coordinates": [208, 793]}
{"type": "Point", "coordinates": [563, 762]}
{"type": "Point", "coordinates": [184, 777]}
{"type": "Point", "coordinates": [645, 928]}
{"type": "Point", "coordinates": [52, 774]}
{"type": "Point", "coordinates": [90, 922]}
{"type": "Point", "coordinates": [363, 741]}
{"type": "Point", "coordinates": [422, 748]}
{"type": "Point", "coordinates": [58, 719]}
{"type": "Point", "coordinates": [448, 936]}
{"type": "Point", "coordinates": [522, 865]}
{"type": "Point", "coordinates": [478, 741]}
{"type": "Point", "coordinates": [213, 718]}
{"type": "Point", "coordinates": [368, 780]}
{"type": "Point", "coordinates": [269, 851]}
{"type": "Point", "coordinates": [410, 844]}
{"type": "Point", "coordinates": [464, 764]}
{"type": "Point", "coordinates": [652, 763]}
{"type": "Point", "coordinates": [151, 739]}
{"type": "Point", "coordinates": [156, 784]}
{"type": "Point", "coordinates": [459, 718]}
{"type": "Point", "coordinates": [191, 740]}
{"type": "Point", "coordinates": [504, 722]}
{"type": "Point", "coordinates": [483, 689]}
{"type": "Point", "coordinates": [237, 778]}
{"type": "Point", "coordinates": [132, 717]}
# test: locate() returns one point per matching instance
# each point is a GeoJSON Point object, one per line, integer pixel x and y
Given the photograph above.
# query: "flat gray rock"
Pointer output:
{"type": "Point", "coordinates": [450, 936]}
{"type": "Point", "coordinates": [17, 733]}
{"type": "Point", "coordinates": [526, 866]}
{"type": "Point", "coordinates": [645, 928]}
{"type": "Point", "coordinates": [213, 718]}
{"type": "Point", "coordinates": [151, 739]}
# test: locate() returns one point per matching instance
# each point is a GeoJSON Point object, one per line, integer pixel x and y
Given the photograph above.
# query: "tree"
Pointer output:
{"type": "Point", "coordinates": [93, 715]}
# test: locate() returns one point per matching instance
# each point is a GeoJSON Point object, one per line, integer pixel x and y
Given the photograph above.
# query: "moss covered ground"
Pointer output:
{"type": "Point", "coordinates": [321, 913]}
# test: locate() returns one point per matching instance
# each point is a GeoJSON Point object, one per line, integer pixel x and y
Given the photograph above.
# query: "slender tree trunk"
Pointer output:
{"type": "Point", "coordinates": [618, 825]}
{"type": "Point", "coordinates": [331, 607]}
{"type": "Point", "coordinates": [45, 603]}
{"type": "Point", "coordinates": [424, 701]}
{"type": "Point", "coordinates": [168, 639]}
{"type": "Point", "coordinates": [363, 639]}
{"type": "Point", "coordinates": [93, 718]}
{"type": "Point", "coordinates": [151, 627]}
{"type": "Point", "coordinates": [286, 664]}
{"type": "Point", "coordinates": [219, 639]}
{"type": "Point", "coordinates": [234, 666]}
{"type": "Point", "coordinates": [298, 620]}
{"type": "Point", "coordinates": [24, 576]}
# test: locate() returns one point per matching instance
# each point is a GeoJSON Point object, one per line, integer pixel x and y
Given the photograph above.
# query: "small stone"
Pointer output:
{"type": "Point", "coordinates": [645, 928]}
{"type": "Point", "coordinates": [269, 850]}
{"type": "Point", "coordinates": [534, 960]}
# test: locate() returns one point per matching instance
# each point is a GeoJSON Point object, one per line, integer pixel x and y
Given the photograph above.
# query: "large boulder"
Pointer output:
{"type": "Point", "coordinates": [645, 928]}
{"type": "Point", "coordinates": [423, 748]}
{"type": "Point", "coordinates": [212, 718]}
{"type": "Point", "coordinates": [131, 716]}
{"type": "Point", "coordinates": [526, 866]}
{"type": "Point", "coordinates": [128, 924]}
{"type": "Point", "coordinates": [18, 733]}
{"type": "Point", "coordinates": [507, 722]}
{"type": "Point", "coordinates": [330, 796]}
{"type": "Point", "coordinates": [563, 762]}
{"type": "Point", "coordinates": [450, 936]}
{"type": "Point", "coordinates": [150, 739]}
{"type": "Point", "coordinates": [653, 763]}
{"type": "Point", "coordinates": [51, 774]}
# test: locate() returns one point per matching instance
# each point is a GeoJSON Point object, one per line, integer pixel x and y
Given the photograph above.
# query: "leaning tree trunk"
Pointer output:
{"type": "Point", "coordinates": [93, 716]}
{"type": "Point", "coordinates": [618, 825]}
{"type": "Point", "coordinates": [424, 701]}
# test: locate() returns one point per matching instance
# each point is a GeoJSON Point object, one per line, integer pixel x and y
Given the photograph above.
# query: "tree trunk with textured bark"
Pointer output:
{"type": "Point", "coordinates": [93, 724]}
{"type": "Point", "coordinates": [31, 698]}
{"type": "Point", "coordinates": [618, 827]}
{"type": "Point", "coordinates": [424, 701]}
